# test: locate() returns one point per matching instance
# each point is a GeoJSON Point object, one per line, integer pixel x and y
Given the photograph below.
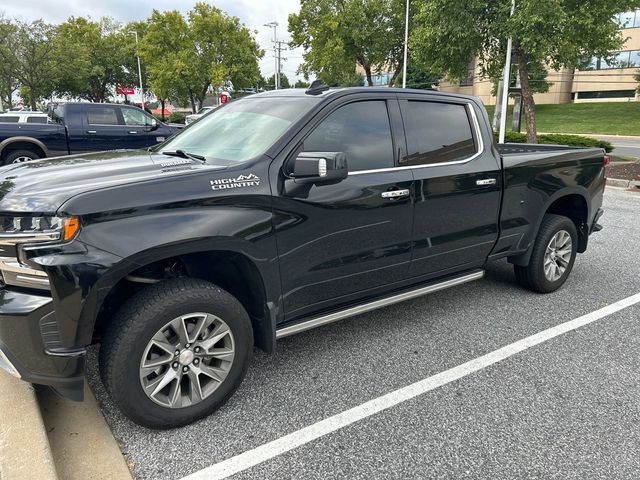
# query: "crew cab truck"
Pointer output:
{"type": "Point", "coordinates": [275, 214]}
{"type": "Point", "coordinates": [81, 128]}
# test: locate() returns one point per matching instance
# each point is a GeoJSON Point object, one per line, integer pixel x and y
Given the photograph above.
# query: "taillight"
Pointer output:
{"type": "Point", "coordinates": [607, 160]}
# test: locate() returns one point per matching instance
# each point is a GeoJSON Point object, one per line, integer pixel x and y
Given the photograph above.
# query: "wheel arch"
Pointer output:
{"type": "Point", "coordinates": [20, 142]}
{"type": "Point", "coordinates": [231, 270]}
{"type": "Point", "coordinates": [572, 203]}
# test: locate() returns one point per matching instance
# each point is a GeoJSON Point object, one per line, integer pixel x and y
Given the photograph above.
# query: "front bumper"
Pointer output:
{"type": "Point", "coordinates": [30, 346]}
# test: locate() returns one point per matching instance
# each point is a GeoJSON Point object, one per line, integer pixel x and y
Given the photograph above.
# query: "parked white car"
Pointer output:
{"type": "Point", "coordinates": [24, 117]}
{"type": "Point", "coordinates": [195, 116]}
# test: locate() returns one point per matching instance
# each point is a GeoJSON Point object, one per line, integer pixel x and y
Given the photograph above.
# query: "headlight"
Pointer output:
{"type": "Point", "coordinates": [38, 229]}
{"type": "Point", "coordinates": [20, 233]}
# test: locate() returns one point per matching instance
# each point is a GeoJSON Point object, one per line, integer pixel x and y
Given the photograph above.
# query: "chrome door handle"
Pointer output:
{"type": "Point", "coordinates": [396, 193]}
{"type": "Point", "coordinates": [133, 131]}
{"type": "Point", "coordinates": [92, 132]}
{"type": "Point", "coordinates": [486, 181]}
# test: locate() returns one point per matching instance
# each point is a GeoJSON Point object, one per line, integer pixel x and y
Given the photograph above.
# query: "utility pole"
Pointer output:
{"type": "Point", "coordinates": [279, 44]}
{"type": "Point", "coordinates": [406, 39]}
{"type": "Point", "coordinates": [505, 86]}
{"type": "Point", "coordinates": [276, 53]}
{"type": "Point", "coordinates": [139, 71]}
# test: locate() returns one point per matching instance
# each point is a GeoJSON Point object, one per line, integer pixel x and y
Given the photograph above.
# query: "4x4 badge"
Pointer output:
{"type": "Point", "coordinates": [240, 181]}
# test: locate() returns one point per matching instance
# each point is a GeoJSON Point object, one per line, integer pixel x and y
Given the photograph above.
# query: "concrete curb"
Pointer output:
{"type": "Point", "coordinates": [617, 182]}
{"type": "Point", "coordinates": [24, 447]}
{"type": "Point", "coordinates": [82, 444]}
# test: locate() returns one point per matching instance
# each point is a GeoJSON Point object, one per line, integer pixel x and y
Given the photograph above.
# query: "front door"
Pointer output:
{"type": "Point", "coordinates": [340, 243]}
{"type": "Point", "coordinates": [457, 185]}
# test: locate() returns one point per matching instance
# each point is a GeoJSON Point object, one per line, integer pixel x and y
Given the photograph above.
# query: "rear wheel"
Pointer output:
{"type": "Point", "coordinates": [20, 156]}
{"type": "Point", "coordinates": [554, 253]}
{"type": "Point", "coordinates": [175, 352]}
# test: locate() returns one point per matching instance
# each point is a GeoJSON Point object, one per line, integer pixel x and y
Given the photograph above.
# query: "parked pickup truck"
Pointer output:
{"type": "Point", "coordinates": [81, 128]}
{"type": "Point", "coordinates": [278, 213]}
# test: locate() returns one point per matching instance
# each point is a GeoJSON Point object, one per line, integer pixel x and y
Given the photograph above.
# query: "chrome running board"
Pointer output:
{"type": "Point", "coordinates": [383, 302]}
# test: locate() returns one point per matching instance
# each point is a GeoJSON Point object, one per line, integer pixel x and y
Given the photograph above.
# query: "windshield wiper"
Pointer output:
{"type": "Point", "coordinates": [183, 154]}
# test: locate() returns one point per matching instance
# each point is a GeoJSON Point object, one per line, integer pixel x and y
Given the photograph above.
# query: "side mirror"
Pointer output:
{"type": "Point", "coordinates": [320, 168]}
{"type": "Point", "coordinates": [154, 124]}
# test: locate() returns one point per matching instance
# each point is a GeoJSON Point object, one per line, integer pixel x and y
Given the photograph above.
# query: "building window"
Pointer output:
{"type": "Point", "coordinates": [628, 19]}
{"type": "Point", "coordinates": [607, 94]}
{"type": "Point", "coordinates": [468, 80]}
{"type": "Point", "coordinates": [626, 59]}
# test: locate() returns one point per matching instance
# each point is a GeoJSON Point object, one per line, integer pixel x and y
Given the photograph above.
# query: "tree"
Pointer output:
{"type": "Point", "coordinates": [337, 35]}
{"type": "Point", "coordinates": [31, 60]}
{"type": "Point", "coordinates": [8, 81]}
{"type": "Point", "coordinates": [301, 84]}
{"type": "Point", "coordinates": [637, 78]}
{"type": "Point", "coordinates": [420, 78]}
{"type": "Point", "coordinates": [209, 50]}
{"type": "Point", "coordinates": [271, 81]}
{"type": "Point", "coordinates": [92, 58]}
{"type": "Point", "coordinates": [552, 33]}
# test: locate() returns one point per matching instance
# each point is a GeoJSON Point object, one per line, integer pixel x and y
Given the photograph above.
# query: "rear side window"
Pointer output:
{"type": "Point", "coordinates": [9, 119]}
{"type": "Point", "coordinates": [361, 130]}
{"type": "Point", "coordinates": [102, 116]}
{"type": "Point", "coordinates": [437, 132]}
{"type": "Point", "coordinates": [36, 119]}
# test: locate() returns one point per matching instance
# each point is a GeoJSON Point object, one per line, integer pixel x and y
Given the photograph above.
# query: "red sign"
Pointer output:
{"type": "Point", "coordinates": [120, 90]}
{"type": "Point", "coordinates": [224, 98]}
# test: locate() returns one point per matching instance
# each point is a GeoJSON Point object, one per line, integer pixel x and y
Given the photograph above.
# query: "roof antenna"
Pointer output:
{"type": "Point", "coordinates": [317, 87]}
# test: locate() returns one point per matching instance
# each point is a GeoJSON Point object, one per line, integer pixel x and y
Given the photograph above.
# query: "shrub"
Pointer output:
{"type": "Point", "coordinates": [176, 117]}
{"type": "Point", "coordinates": [559, 139]}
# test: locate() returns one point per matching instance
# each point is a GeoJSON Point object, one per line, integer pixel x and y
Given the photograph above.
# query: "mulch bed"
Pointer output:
{"type": "Point", "coordinates": [624, 171]}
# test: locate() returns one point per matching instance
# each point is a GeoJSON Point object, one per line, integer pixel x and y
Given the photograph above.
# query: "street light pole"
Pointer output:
{"type": "Point", "coordinates": [406, 38]}
{"type": "Point", "coordinates": [139, 71]}
{"type": "Point", "coordinates": [505, 85]}
{"type": "Point", "coordinates": [276, 75]}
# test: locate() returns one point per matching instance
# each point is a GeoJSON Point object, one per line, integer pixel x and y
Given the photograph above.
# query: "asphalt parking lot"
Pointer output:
{"type": "Point", "coordinates": [567, 408]}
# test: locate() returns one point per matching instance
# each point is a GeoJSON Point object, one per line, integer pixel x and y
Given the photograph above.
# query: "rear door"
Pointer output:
{"type": "Point", "coordinates": [457, 184]}
{"type": "Point", "coordinates": [343, 242]}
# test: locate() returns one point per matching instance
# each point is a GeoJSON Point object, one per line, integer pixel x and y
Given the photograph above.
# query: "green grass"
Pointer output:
{"type": "Point", "coordinates": [596, 118]}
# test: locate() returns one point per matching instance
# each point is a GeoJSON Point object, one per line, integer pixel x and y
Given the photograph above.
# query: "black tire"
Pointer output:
{"type": "Point", "coordinates": [133, 326]}
{"type": "Point", "coordinates": [532, 277]}
{"type": "Point", "coordinates": [12, 156]}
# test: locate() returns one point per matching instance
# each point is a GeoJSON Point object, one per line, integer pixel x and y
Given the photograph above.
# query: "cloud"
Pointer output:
{"type": "Point", "coordinates": [253, 13]}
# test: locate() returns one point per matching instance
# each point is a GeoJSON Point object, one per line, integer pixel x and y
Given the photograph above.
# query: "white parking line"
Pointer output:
{"type": "Point", "coordinates": [272, 449]}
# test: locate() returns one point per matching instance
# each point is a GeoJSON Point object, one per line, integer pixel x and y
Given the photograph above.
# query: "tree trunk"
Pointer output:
{"type": "Point", "coordinates": [162, 111]}
{"type": "Point", "coordinates": [367, 71]}
{"type": "Point", "coordinates": [32, 97]}
{"type": "Point", "coordinates": [193, 102]}
{"type": "Point", "coordinates": [527, 98]}
{"type": "Point", "coordinates": [396, 74]}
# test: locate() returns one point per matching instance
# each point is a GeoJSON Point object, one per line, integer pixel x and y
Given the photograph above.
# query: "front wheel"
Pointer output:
{"type": "Point", "coordinates": [554, 253]}
{"type": "Point", "coordinates": [175, 352]}
{"type": "Point", "coordinates": [20, 156]}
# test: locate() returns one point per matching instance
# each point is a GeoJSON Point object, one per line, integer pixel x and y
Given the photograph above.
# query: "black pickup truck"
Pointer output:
{"type": "Point", "coordinates": [277, 213]}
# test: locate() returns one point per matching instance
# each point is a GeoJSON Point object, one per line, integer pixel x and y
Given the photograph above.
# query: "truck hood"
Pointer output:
{"type": "Point", "coordinates": [44, 185]}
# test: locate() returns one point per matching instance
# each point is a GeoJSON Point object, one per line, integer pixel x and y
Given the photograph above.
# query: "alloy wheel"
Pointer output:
{"type": "Point", "coordinates": [557, 255]}
{"type": "Point", "coordinates": [187, 360]}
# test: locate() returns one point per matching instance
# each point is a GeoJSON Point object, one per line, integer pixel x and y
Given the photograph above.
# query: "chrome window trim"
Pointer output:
{"type": "Point", "coordinates": [481, 150]}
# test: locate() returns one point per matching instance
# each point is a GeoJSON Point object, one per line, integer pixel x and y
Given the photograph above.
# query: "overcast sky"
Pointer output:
{"type": "Point", "coordinates": [253, 13]}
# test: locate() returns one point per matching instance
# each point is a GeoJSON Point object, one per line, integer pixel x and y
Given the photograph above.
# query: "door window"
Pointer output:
{"type": "Point", "coordinates": [135, 117]}
{"type": "Point", "coordinates": [102, 115]}
{"type": "Point", "coordinates": [361, 130]}
{"type": "Point", "coordinates": [437, 132]}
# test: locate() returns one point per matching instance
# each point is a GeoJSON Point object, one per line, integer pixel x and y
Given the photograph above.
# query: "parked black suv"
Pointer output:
{"type": "Point", "coordinates": [275, 214]}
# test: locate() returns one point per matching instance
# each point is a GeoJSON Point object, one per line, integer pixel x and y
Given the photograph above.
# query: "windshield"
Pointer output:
{"type": "Point", "coordinates": [240, 130]}
{"type": "Point", "coordinates": [204, 110]}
